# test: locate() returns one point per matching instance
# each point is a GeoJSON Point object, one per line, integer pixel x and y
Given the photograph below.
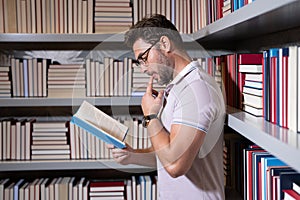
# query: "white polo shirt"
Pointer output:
{"type": "Point", "coordinates": [195, 100]}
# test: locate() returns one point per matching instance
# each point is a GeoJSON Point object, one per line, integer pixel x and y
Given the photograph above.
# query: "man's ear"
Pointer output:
{"type": "Point", "coordinates": [165, 44]}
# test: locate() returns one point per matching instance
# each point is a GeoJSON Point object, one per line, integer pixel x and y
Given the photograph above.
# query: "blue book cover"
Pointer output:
{"type": "Point", "coordinates": [25, 77]}
{"type": "Point", "coordinates": [16, 189]}
{"type": "Point", "coordinates": [265, 163]}
{"type": "Point", "coordinates": [104, 127]}
{"type": "Point", "coordinates": [274, 53]}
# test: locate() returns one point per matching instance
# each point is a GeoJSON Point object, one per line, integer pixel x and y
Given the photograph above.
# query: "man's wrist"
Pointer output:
{"type": "Point", "coordinates": [147, 118]}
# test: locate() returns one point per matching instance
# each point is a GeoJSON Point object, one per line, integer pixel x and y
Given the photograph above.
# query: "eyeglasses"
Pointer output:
{"type": "Point", "coordinates": [143, 57]}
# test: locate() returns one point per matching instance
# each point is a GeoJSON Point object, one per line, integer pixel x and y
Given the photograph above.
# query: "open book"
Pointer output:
{"type": "Point", "coordinates": [100, 124]}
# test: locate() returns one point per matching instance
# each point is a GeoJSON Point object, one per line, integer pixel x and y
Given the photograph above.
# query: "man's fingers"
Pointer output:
{"type": "Point", "coordinates": [149, 87]}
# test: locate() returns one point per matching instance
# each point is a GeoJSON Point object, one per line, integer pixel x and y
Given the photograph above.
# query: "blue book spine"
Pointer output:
{"type": "Point", "coordinates": [241, 3]}
{"type": "Point", "coordinates": [25, 77]}
{"type": "Point", "coordinates": [16, 189]}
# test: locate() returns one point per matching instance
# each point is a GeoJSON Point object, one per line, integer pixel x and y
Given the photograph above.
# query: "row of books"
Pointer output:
{"type": "Point", "coordinates": [74, 188]}
{"type": "Point", "coordinates": [38, 77]}
{"type": "Point", "coordinates": [46, 16]}
{"type": "Point", "coordinates": [99, 16]}
{"type": "Point", "coordinates": [263, 84]}
{"type": "Point", "coordinates": [267, 177]}
{"type": "Point", "coordinates": [110, 77]}
{"type": "Point", "coordinates": [26, 139]}
{"type": "Point", "coordinates": [250, 83]}
{"type": "Point", "coordinates": [5, 82]}
{"type": "Point", "coordinates": [29, 77]}
{"type": "Point", "coordinates": [112, 16]}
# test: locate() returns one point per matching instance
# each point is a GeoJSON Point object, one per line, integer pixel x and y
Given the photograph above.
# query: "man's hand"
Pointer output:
{"type": "Point", "coordinates": [151, 104]}
{"type": "Point", "coordinates": [121, 156]}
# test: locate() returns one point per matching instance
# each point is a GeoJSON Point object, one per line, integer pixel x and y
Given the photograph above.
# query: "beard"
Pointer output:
{"type": "Point", "coordinates": [165, 70]}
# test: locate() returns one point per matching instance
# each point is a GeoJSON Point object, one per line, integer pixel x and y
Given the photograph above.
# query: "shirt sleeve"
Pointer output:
{"type": "Point", "coordinates": [195, 106]}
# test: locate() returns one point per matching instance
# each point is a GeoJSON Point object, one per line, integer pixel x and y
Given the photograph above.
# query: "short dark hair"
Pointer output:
{"type": "Point", "coordinates": [150, 29]}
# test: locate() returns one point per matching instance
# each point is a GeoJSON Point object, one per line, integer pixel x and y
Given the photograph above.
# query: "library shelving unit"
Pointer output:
{"type": "Point", "coordinates": [19, 107]}
{"type": "Point", "coordinates": [261, 25]}
{"type": "Point", "coordinates": [254, 27]}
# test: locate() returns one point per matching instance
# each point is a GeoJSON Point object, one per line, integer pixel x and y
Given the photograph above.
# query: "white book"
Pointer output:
{"type": "Point", "coordinates": [258, 112]}
{"type": "Point", "coordinates": [253, 100]}
{"type": "Point", "coordinates": [97, 76]}
{"type": "Point", "coordinates": [296, 187]}
{"type": "Point", "coordinates": [253, 84]}
{"type": "Point", "coordinates": [43, 189]}
{"type": "Point", "coordinates": [56, 188]}
{"type": "Point", "coordinates": [129, 189]}
{"type": "Point", "coordinates": [298, 89]}
{"type": "Point", "coordinates": [18, 140]}
{"type": "Point", "coordinates": [292, 89]}
{"type": "Point", "coordinates": [51, 189]}
{"type": "Point", "coordinates": [13, 141]}
{"type": "Point", "coordinates": [77, 142]}
{"type": "Point", "coordinates": [90, 6]}
{"type": "Point", "coordinates": [100, 124]}
{"type": "Point", "coordinates": [80, 188]}
{"type": "Point", "coordinates": [111, 77]}
{"type": "Point", "coordinates": [64, 188]}
{"type": "Point", "coordinates": [102, 79]}
{"type": "Point", "coordinates": [88, 77]}
{"type": "Point", "coordinates": [254, 91]}
{"type": "Point", "coordinates": [254, 77]}
{"type": "Point", "coordinates": [148, 187]}
{"type": "Point", "coordinates": [134, 192]}
{"type": "Point", "coordinates": [70, 187]}
{"type": "Point", "coordinates": [75, 192]}
{"type": "Point", "coordinates": [85, 189]}
{"type": "Point", "coordinates": [72, 141]}
{"type": "Point", "coordinates": [26, 192]}
{"type": "Point", "coordinates": [250, 68]}
{"type": "Point", "coordinates": [8, 139]}
{"type": "Point", "coordinates": [21, 191]}
{"type": "Point", "coordinates": [49, 152]}
{"type": "Point", "coordinates": [23, 140]}
{"type": "Point", "coordinates": [32, 188]}
{"type": "Point", "coordinates": [93, 78]}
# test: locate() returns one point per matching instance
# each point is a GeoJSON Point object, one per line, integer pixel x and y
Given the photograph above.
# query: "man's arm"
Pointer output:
{"type": "Point", "coordinates": [144, 157]}
{"type": "Point", "coordinates": [176, 150]}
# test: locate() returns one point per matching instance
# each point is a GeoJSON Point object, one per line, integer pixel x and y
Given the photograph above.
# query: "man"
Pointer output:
{"type": "Point", "coordinates": [184, 123]}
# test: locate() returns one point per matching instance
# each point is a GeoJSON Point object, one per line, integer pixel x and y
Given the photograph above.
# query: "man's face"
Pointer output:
{"type": "Point", "coordinates": [153, 62]}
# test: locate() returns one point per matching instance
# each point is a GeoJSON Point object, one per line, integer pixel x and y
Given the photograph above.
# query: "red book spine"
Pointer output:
{"type": "Point", "coordinates": [249, 59]}
{"type": "Point", "coordinates": [273, 94]}
{"type": "Point", "coordinates": [259, 183]}
{"type": "Point", "coordinates": [220, 4]}
{"type": "Point", "coordinates": [241, 83]}
{"type": "Point", "coordinates": [285, 91]}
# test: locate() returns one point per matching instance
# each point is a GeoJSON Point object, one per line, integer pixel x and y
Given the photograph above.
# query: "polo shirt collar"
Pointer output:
{"type": "Point", "coordinates": [190, 67]}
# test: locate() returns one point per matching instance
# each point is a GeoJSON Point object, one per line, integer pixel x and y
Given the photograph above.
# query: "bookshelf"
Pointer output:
{"type": "Point", "coordinates": [281, 142]}
{"type": "Point", "coordinates": [70, 165]}
{"type": "Point", "coordinates": [101, 101]}
{"type": "Point", "coordinates": [252, 28]}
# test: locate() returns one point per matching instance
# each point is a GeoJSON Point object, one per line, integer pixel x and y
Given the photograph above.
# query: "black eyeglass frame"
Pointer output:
{"type": "Point", "coordinates": [140, 60]}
